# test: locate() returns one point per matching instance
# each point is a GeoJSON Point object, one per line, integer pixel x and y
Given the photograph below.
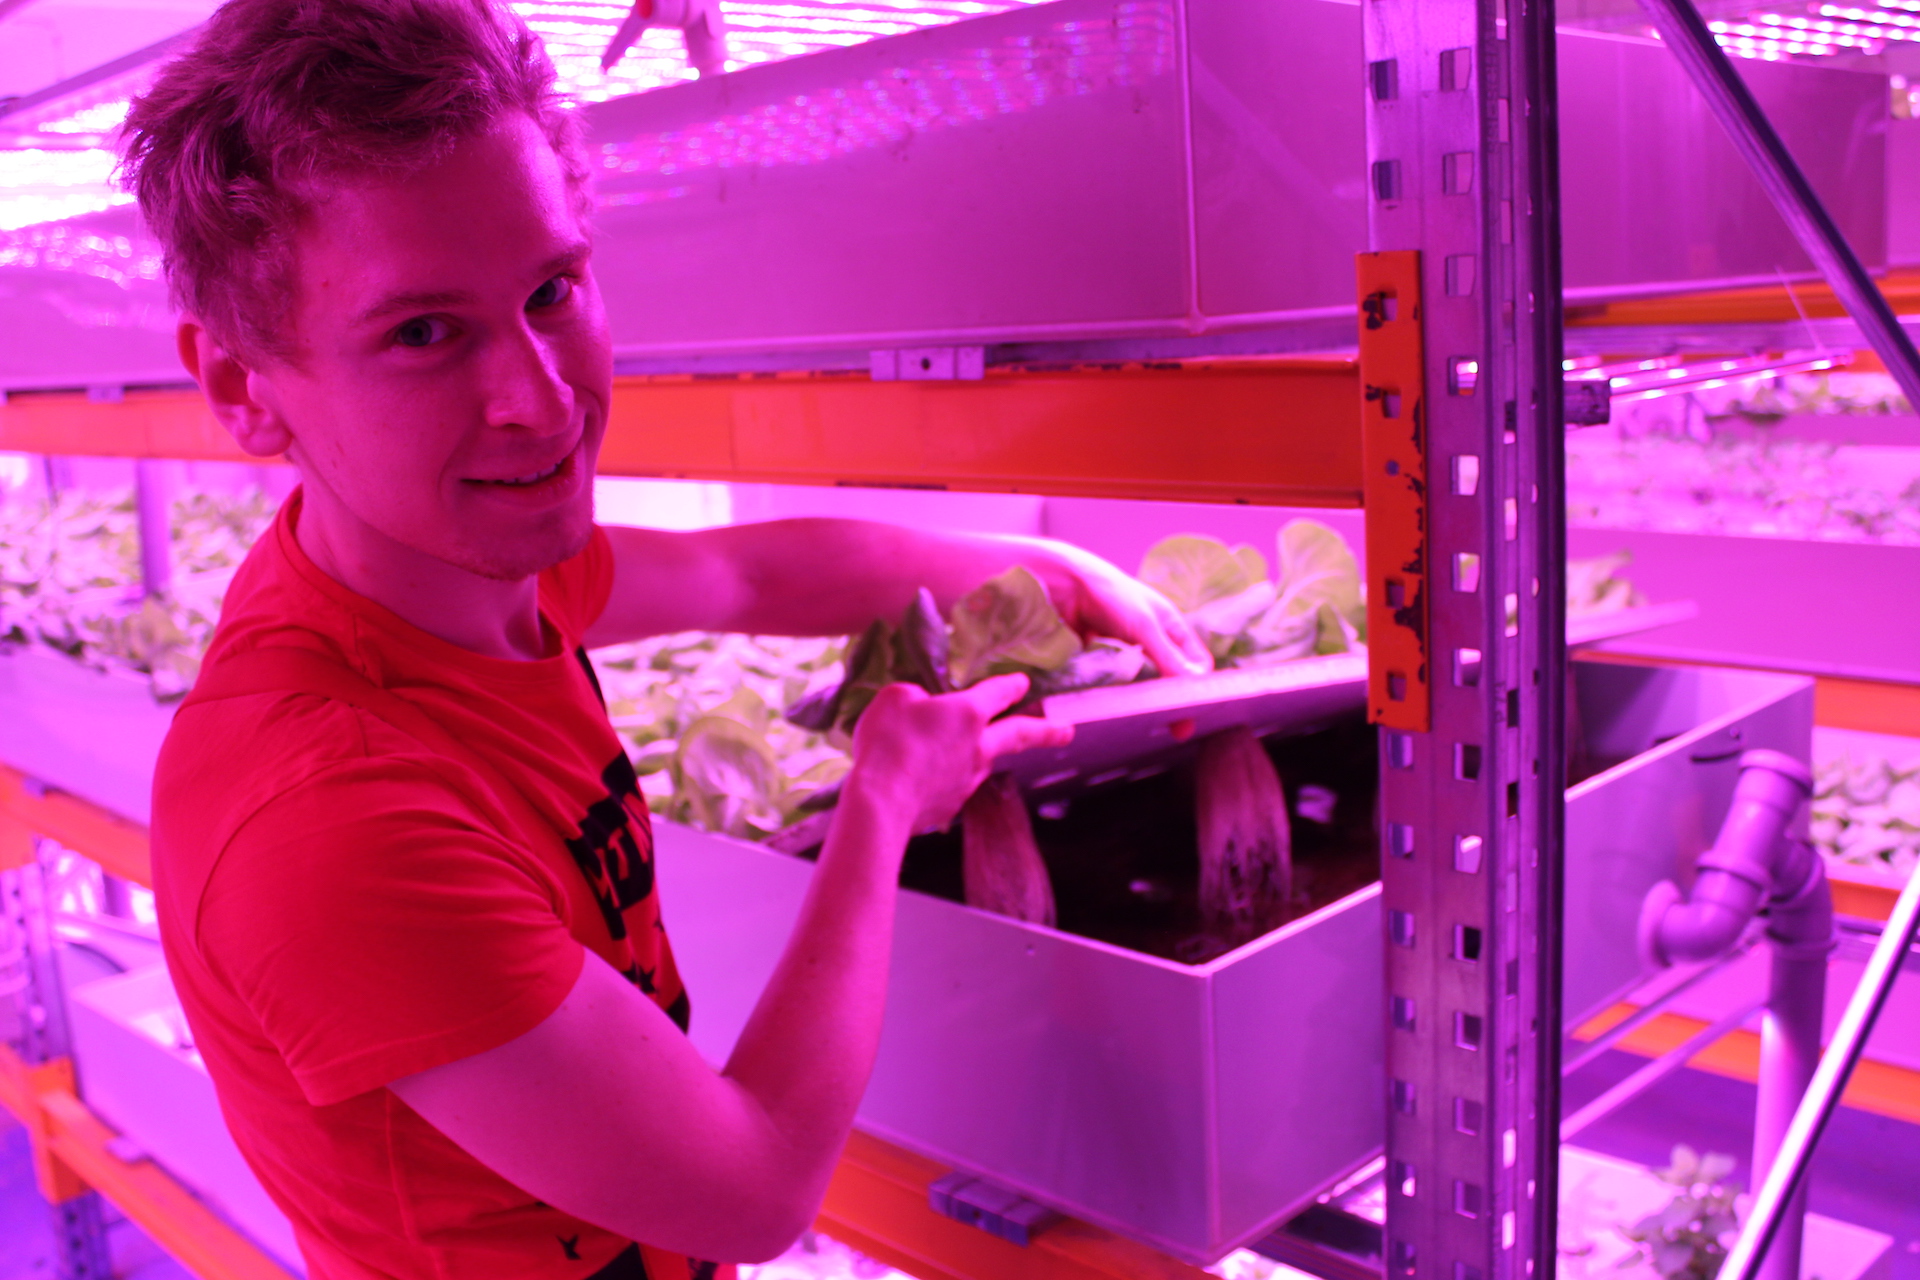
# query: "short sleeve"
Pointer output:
{"type": "Point", "coordinates": [376, 928]}
{"type": "Point", "coordinates": [579, 587]}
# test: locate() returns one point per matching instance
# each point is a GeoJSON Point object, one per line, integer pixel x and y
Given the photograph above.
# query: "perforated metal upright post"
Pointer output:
{"type": "Point", "coordinates": [1460, 353]}
{"type": "Point", "coordinates": [38, 1031]}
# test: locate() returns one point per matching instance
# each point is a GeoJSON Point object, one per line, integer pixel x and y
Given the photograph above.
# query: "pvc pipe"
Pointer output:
{"type": "Point", "coordinates": [1754, 862]}
{"type": "Point", "coordinates": [1685, 32]}
{"type": "Point", "coordinates": [153, 510]}
{"type": "Point", "coordinates": [1776, 1194]}
{"type": "Point", "coordinates": [1789, 1054]}
{"type": "Point", "coordinates": [1749, 856]}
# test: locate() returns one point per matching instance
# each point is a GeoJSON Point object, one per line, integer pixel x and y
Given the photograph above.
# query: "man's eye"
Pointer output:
{"type": "Point", "coordinates": [551, 294]}
{"type": "Point", "coordinates": [422, 331]}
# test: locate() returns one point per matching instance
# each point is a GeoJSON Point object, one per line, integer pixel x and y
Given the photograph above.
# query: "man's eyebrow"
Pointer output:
{"type": "Point", "coordinates": [417, 301]}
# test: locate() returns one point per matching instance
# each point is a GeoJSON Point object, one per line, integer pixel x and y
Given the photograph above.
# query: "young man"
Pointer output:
{"type": "Point", "coordinates": [404, 869]}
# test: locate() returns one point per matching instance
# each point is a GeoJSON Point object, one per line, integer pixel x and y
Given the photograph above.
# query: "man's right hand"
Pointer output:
{"type": "Point", "coordinates": [921, 754]}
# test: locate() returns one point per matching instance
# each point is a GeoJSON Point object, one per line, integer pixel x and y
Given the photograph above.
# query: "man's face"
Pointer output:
{"type": "Point", "coordinates": [451, 365]}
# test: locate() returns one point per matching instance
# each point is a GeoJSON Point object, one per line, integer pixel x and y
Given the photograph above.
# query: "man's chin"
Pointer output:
{"type": "Point", "coordinates": [522, 558]}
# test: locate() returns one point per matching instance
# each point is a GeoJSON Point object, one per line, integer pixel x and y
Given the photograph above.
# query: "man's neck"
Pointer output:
{"type": "Point", "coordinates": [490, 617]}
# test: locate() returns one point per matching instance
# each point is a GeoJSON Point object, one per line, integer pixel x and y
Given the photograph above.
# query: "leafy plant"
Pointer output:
{"type": "Point", "coordinates": [70, 579]}
{"type": "Point", "coordinates": [697, 711]}
{"type": "Point", "coordinates": [1867, 813]}
{"type": "Point", "coordinates": [1667, 479]}
{"type": "Point", "coordinates": [1005, 625]}
{"type": "Point", "coordinates": [1685, 1239]}
{"type": "Point", "coordinates": [1315, 604]}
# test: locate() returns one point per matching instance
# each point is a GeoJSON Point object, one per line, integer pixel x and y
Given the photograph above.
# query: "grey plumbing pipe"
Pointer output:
{"type": "Point", "coordinates": [1756, 862]}
{"type": "Point", "coordinates": [1685, 32]}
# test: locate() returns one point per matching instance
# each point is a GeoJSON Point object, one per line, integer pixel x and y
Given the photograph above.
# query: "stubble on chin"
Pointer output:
{"type": "Point", "coordinates": [518, 561]}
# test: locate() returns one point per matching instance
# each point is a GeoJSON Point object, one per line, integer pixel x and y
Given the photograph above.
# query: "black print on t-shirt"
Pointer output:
{"type": "Point", "coordinates": [618, 864]}
{"type": "Point", "coordinates": [593, 677]}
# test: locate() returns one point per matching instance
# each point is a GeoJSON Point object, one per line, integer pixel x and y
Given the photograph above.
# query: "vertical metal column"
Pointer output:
{"type": "Point", "coordinates": [30, 981]}
{"type": "Point", "coordinates": [1462, 164]}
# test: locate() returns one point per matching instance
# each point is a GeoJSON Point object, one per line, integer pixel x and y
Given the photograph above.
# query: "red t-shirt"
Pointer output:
{"type": "Point", "coordinates": [339, 911]}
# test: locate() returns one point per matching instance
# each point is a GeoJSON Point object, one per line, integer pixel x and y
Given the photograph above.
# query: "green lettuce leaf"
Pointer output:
{"type": "Point", "coordinates": [726, 777]}
{"type": "Point", "coordinates": [1193, 571]}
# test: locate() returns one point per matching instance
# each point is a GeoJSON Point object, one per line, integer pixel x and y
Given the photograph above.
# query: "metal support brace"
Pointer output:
{"type": "Point", "coordinates": [1713, 74]}
{"type": "Point", "coordinates": [1461, 136]}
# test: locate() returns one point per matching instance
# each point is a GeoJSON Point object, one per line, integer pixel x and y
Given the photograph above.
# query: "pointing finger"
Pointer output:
{"type": "Point", "coordinates": [995, 694]}
{"type": "Point", "coordinates": [1022, 733]}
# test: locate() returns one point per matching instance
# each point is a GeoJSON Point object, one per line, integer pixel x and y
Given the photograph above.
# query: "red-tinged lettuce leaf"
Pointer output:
{"type": "Point", "coordinates": [1008, 625]}
{"type": "Point", "coordinates": [869, 670]}
{"type": "Point", "coordinates": [921, 651]}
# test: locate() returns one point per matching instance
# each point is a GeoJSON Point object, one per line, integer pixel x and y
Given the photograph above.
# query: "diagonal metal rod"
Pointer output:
{"type": "Point", "coordinates": [1823, 1094]}
{"type": "Point", "coordinates": [1651, 1009]}
{"type": "Point", "coordinates": [1713, 74]}
{"type": "Point", "coordinates": [1657, 1070]}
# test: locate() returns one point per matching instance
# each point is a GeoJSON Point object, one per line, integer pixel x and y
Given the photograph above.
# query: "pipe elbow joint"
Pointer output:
{"type": "Point", "coordinates": [1678, 930]}
{"type": "Point", "coordinates": [1748, 862]}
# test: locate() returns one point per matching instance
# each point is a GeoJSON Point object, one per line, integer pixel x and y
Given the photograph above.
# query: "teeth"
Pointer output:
{"type": "Point", "coordinates": [536, 477]}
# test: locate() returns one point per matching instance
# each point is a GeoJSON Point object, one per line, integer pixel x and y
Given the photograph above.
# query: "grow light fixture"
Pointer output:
{"type": "Point", "coordinates": [1651, 379]}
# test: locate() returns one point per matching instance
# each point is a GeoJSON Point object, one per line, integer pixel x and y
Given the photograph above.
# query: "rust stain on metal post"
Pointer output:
{"type": "Point", "coordinates": [1394, 445]}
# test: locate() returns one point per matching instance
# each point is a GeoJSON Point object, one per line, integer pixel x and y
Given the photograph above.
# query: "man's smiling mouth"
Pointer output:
{"type": "Point", "coordinates": [560, 470]}
{"type": "Point", "coordinates": [535, 478]}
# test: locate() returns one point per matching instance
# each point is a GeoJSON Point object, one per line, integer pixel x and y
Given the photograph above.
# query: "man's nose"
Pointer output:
{"type": "Point", "coordinates": [524, 386]}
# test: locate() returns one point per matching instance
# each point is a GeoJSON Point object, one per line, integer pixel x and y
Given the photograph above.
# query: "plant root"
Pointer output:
{"type": "Point", "coordinates": [1000, 861]}
{"type": "Point", "coordinates": [1246, 846]}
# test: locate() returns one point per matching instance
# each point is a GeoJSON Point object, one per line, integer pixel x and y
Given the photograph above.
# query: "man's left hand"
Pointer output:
{"type": "Point", "coordinates": [1096, 598]}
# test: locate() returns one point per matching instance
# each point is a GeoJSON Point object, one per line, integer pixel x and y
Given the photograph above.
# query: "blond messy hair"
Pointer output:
{"type": "Point", "coordinates": [225, 150]}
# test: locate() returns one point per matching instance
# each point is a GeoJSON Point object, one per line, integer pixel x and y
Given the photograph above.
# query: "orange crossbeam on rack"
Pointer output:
{"type": "Point", "coordinates": [877, 1203]}
{"type": "Point", "coordinates": [119, 846]}
{"type": "Point", "coordinates": [1876, 1087]}
{"type": "Point", "coordinates": [72, 1152]}
{"type": "Point", "coordinates": [1275, 431]}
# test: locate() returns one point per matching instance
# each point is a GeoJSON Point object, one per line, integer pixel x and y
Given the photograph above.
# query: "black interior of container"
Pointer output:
{"type": "Point", "coordinates": [1124, 858]}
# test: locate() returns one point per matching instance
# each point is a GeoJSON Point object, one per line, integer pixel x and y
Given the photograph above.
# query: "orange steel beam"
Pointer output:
{"type": "Point", "coordinates": [1875, 1087]}
{"type": "Point", "coordinates": [877, 1203]}
{"type": "Point", "coordinates": [72, 1154]}
{"type": "Point", "coordinates": [1734, 306]}
{"type": "Point", "coordinates": [1282, 431]}
{"type": "Point", "coordinates": [119, 846]}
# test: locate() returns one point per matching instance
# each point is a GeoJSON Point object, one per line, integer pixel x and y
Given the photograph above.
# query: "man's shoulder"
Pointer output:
{"type": "Point", "coordinates": [227, 762]}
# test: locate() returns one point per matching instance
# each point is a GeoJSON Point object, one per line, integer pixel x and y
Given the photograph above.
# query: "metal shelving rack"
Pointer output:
{"type": "Point", "coordinates": [1461, 149]}
{"type": "Point", "coordinates": [1450, 424]}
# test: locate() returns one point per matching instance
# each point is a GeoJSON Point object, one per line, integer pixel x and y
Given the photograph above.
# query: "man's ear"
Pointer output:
{"type": "Point", "coordinates": [231, 392]}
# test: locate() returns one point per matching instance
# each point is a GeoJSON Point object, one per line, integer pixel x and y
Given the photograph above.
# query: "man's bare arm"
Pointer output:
{"type": "Point", "coordinates": [606, 1111]}
{"type": "Point", "coordinates": [833, 577]}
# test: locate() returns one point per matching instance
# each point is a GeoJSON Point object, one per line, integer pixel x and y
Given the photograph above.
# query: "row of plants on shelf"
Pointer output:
{"type": "Point", "coordinates": [1866, 813]}
{"type": "Point", "coordinates": [732, 733]}
{"type": "Point", "coordinates": [1673, 465]}
{"type": "Point", "coordinates": [70, 579]}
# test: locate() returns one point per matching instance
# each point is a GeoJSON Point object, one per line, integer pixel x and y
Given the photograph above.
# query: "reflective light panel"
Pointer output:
{"type": "Point", "coordinates": [58, 162]}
